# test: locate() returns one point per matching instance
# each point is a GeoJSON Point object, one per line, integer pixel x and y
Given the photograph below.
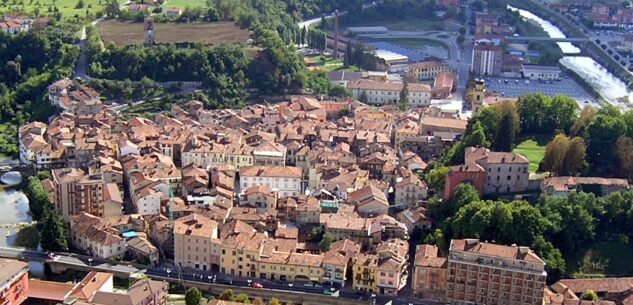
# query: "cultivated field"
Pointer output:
{"type": "Point", "coordinates": [127, 33]}
{"type": "Point", "coordinates": [66, 7]}
{"type": "Point", "coordinates": [185, 3]}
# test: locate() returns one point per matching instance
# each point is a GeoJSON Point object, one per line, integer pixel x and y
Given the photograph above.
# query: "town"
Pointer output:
{"type": "Point", "coordinates": [316, 152]}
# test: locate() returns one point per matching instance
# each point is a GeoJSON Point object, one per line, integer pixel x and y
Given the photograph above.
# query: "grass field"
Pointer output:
{"type": "Point", "coordinates": [607, 258]}
{"type": "Point", "coordinates": [533, 151]}
{"type": "Point", "coordinates": [185, 3]}
{"type": "Point", "coordinates": [326, 64]}
{"type": "Point", "coordinates": [66, 7]}
{"type": "Point", "coordinates": [408, 24]}
{"type": "Point", "coordinates": [127, 33]}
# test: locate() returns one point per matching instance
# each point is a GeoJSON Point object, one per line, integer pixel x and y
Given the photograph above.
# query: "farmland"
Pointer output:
{"type": "Point", "coordinates": [127, 33]}
{"type": "Point", "coordinates": [66, 7]}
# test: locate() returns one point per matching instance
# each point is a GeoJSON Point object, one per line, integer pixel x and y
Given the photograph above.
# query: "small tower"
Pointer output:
{"type": "Point", "coordinates": [476, 94]}
{"type": "Point", "coordinates": [149, 31]}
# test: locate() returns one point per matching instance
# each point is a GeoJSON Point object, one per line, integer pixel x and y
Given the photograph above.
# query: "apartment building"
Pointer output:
{"type": "Point", "coordinates": [76, 192]}
{"type": "Point", "coordinates": [143, 292]}
{"type": "Point", "coordinates": [484, 273]}
{"type": "Point", "coordinates": [426, 70]}
{"type": "Point", "coordinates": [260, 197]}
{"type": "Point", "coordinates": [364, 272]}
{"type": "Point", "coordinates": [14, 281]}
{"type": "Point", "coordinates": [410, 191]}
{"type": "Point", "coordinates": [240, 252]}
{"type": "Point", "coordinates": [429, 274]}
{"type": "Point", "coordinates": [238, 155]}
{"type": "Point", "coordinates": [90, 235]}
{"type": "Point", "coordinates": [201, 152]}
{"type": "Point", "coordinates": [392, 266]}
{"type": "Point", "coordinates": [196, 243]}
{"type": "Point", "coordinates": [290, 267]}
{"type": "Point", "coordinates": [286, 180]}
{"type": "Point", "coordinates": [269, 153]}
{"type": "Point", "coordinates": [381, 92]}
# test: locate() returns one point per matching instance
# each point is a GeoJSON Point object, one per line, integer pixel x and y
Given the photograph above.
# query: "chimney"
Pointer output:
{"type": "Point", "coordinates": [335, 52]}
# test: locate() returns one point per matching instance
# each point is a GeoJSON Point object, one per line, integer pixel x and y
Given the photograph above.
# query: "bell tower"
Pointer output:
{"type": "Point", "coordinates": [149, 31]}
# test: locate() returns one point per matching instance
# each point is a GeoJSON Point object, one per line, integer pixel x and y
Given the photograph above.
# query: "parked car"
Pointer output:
{"type": "Point", "coordinates": [257, 285]}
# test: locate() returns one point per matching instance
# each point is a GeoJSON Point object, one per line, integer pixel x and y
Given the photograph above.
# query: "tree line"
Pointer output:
{"type": "Point", "coordinates": [556, 228]}
{"type": "Point", "coordinates": [53, 231]}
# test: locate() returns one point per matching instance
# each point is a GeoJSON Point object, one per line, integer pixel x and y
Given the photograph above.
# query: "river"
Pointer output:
{"type": "Point", "coordinates": [14, 209]}
{"type": "Point", "coordinates": [611, 88]}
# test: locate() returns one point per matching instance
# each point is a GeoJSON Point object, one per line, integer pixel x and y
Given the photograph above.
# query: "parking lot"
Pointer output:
{"type": "Point", "coordinates": [512, 87]}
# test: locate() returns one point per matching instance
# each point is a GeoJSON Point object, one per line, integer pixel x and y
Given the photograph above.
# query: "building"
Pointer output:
{"type": "Point", "coordinates": [196, 243]}
{"type": "Point", "coordinates": [173, 12]}
{"type": "Point", "coordinates": [392, 266]}
{"type": "Point", "coordinates": [564, 185]}
{"type": "Point", "coordinates": [369, 200]}
{"type": "Point", "coordinates": [427, 70]}
{"type": "Point", "coordinates": [505, 172]}
{"type": "Point", "coordinates": [381, 92]}
{"type": "Point", "coordinates": [269, 154]}
{"type": "Point", "coordinates": [430, 125]}
{"type": "Point", "coordinates": [76, 99]}
{"type": "Point", "coordinates": [364, 272]}
{"type": "Point", "coordinates": [88, 234]}
{"type": "Point", "coordinates": [93, 282]}
{"type": "Point", "coordinates": [535, 72]}
{"type": "Point", "coordinates": [430, 274]}
{"type": "Point", "coordinates": [286, 180]}
{"type": "Point", "coordinates": [14, 281]}
{"type": "Point", "coordinates": [76, 192]}
{"type": "Point", "coordinates": [487, 60]}
{"type": "Point", "coordinates": [260, 197]}
{"type": "Point", "coordinates": [484, 273]}
{"type": "Point", "coordinates": [415, 218]}
{"type": "Point", "coordinates": [13, 24]}
{"type": "Point", "coordinates": [202, 152]}
{"type": "Point", "coordinates": [290, 267]}
{"type": "Point", "coordinates": [143, 292]}
{"type": "Point", "coordinates": [410, 190]}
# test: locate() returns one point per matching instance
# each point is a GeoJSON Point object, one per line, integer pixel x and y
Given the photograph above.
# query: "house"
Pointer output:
{"type": "Point", "coordinates": [487, 60]}
{"type": "Point", "coordinates": [14, 281]}
{"type": "Point", "coordinates": [143, 292]}
{"type": "Point", "coordinates": [410, 190]}
{"type": "Point", "coordinates": [285, 179]}
{"type": "Point", "coordinates": [430, 274]}
{"type": "Point", "coordinates": [383, 92]}
{"type": "Point", "coordinates": [536, 72]}
{"type": "Point", "coordinates": [92, 283]}
{"type": "Point", "coordinates": [564, 185]}
{"type": "Point", "coordinates": [196, 243]}
{"type": "Point", "coordinates": [89, 234]}
{"type": "Point", "coordinates": [269, 153]}
{"type": "Point", "coordinates": [141, 248]}
{"type": "Point", "coordinates": [415, 218]}
{"type": "Point", "coordinates": [392, 266]}
{"type": "Point", "coordinates": [504, 172]}
{"type": "Point", "coordinates": [365, 273]}
{"type": "Point", "coordinates": [369, 200]}
{"type": "Point", "coordinates": [428, 69]}
{"type": "Point", "coordinates": [260, 197]}
{"type": "Point", "coordinates": [430, 125]}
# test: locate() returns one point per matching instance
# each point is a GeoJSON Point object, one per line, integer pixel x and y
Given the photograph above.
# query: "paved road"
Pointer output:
{"type": "Point", "coordinates": [546, 39]}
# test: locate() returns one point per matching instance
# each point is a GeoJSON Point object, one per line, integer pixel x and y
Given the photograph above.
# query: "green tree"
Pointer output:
{"type": "Point", "coordinates": [53, 233]}
{"type": "Point", "coordinates": [561, 113]}
{"type": "Point", "coordinates": [242, 298]}
{"type": "Point", "coordinates": [403, 101]}
{"type": "Point", "coordinates": [258, 301]}
{"type": "Point", "coordinates": [564, 156]}
{"type": "Point", "coordinates": [340, 91]}
{"type": "Point", "coordinates": [227, 295]}
{"type": "Point", "coordinates": [326, 242]}
{"type": "Point", "coordinates": [436, 177]}
{"type": "Point", "coordinates": [624, 147]}
{"type": "Point", "coordinates": [531, 108]}
{"type": "Point", "coordinates": [586, 116]}
{"type": "Point", "coordinates": [193, 296]}
{"type": "Point", "coordinates": [437, 238]}
{"type": "Point", "coordinates": [602, 134]}
{"type": "Point", "coordinates": [38, 197]}
{"type": "Point", "coordinates": [274, 301]}
{"type": "Point", "coordinates": [506, 135]}
{"type": "Point", "coordinates": [554, 262]}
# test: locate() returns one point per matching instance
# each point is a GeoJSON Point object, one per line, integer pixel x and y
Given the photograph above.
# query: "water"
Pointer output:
{"type": "Point", "coordinates": [611, 88]}
{"type": "Point", "coordinates": [14, 209]}
{"type": "Point", "coordinates": [11, 178]}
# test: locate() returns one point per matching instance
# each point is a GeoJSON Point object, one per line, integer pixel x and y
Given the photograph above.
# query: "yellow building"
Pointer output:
{"type": "Point", "coordinates": [476, 94]}
{"type": "Point", "coordinates": [195, 240]}
{"type": "Point", "coordinates": [365, 270]}
{"type": "Point", "coordinates": [240, 253]}
{"type": "Point", "coordinates": [291, 267]}
{"type": "Point", "coordinates": [238, 155]}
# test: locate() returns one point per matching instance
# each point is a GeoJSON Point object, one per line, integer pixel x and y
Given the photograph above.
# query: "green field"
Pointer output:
{"type": "Point", "coordinates": [185, 3]}
{"type": "Point", "coordinates": [326, 64]}
{"type": "Point", "coordinates": [408, 24]}
{"type": "Point", "coordinates": [607, 258]}
{"type": "Point", "coordinates": [66, 7]}
{"type": "Point", "coordinates": [533, 151]}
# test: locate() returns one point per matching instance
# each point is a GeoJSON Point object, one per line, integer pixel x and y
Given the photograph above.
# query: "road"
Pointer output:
{"type": "Point", "coordinates": [309, 22]}
{"type": "Point", "coordinates": [161, 273]}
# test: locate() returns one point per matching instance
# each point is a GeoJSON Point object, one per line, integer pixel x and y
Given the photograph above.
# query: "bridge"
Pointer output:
{"type": "Point", "coordinates": [544, 39]}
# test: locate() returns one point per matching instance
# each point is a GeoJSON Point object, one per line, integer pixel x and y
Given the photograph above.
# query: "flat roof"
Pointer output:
{"type": "Point", "coordinates": [390, 56]}
{"type": "Point", "coordinates": [541, 68]}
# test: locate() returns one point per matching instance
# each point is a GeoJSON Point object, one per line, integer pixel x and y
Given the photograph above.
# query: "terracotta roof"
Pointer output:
{"type": "Point", "coordinates": [427, 256]}
{"type": "Point", "coordinates": [600, 285]}
{"type": "Point", "coordinates": [444, 122]}
{"type": "Point", "coordinates": [47, 290]}
{"type": "Point", "coordinates": [90, 284]}
{"type": "Point", "coordinates": [365, 84]}
{"type": "Point", "coordinates": [368, 194]}
{"type": "Point", "coordinates": [565, 183]}
{"type": "Point", "coordinates": [488, 249]}
{"type": "Point", "coordinates": [474, 154]}
{"type": "Point", "coordinates": [196, 225]}
{"type": "Point", "coordinates": [271, 171]}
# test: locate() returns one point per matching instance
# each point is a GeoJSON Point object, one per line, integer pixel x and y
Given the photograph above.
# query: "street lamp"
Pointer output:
{"type": "Point", "coordinates": [209, 277]}
{"type": "Point", "coordinates": [249, 282]}
{"type": "Point", "coordinates": [168, 271]}
{"type": "Point", "coordinates": [290, 285]}
{"type": "Point", "coordinates": [90, 261]}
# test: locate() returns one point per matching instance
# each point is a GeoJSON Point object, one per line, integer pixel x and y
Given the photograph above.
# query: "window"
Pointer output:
{"type": "Point", "coordinates": [509, 177]}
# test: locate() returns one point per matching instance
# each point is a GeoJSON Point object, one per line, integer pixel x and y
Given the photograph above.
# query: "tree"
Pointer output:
{"type": "Point", "coordinates": [564, 156]}
{"type": "Point", "coordinates": [80, 4]}
{"type": "Point", "coordinates": [403, 101]}
{"type": "Point", "coordinates": [363, 98]}
{"type": "Point", "coordinates": [193, 296]}
{"type": "Point", "coordinates": [274, 301]}
{"type": "Point", "coordinates": [436, 177]}
{"type": "Point", "coordinates": [589, 295]}
{"type": "Point", "coordinates": [258, 301]}
{"type": "Point", "coordinates": [586, 116]}
{"type": "Point", "coordinates": [53, 232]}
{"type": "Point", "coordinates": [38, 197]}
{"type": "Point", "coordinates": [554, 262]}
{"type": "Point", "coordinates": [326, 242]}
{"type": "Point", "coordinates": [602, 134]}
{"type": "Point", "coordinates": [531, 108]}
{"type": "Point", "coordinates": [242, 298]}
{"type": "Point", "coordinates": [506, 134]}
{"type": "Point", "coordinates": [560, 113]}
{"type": "Point", "coordinates": [438, 239]}
{"type": "Point", "coordinates": [624, 149]}
{"type": "Point", "coordinates": [227, 295]}
{"type": "Point", "coordinates": [340, 91]}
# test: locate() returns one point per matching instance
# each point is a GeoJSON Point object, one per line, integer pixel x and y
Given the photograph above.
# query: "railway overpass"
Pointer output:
{"type": "Point", "coordinates": [545, 39]}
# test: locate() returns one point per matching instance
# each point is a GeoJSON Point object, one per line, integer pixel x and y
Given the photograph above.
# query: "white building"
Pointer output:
{"type": "Point", "coordinates": [535, 72]}
{"type": "Point", "coordinates": [147, 200]}
{"type": "Point", "coordinates": [284, 179]}
{"type": "Point", "coordinates": [382, 92]}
